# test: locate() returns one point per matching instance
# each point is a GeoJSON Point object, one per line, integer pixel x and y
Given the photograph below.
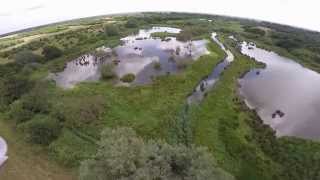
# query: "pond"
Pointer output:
{"type": "Point", "coordinates": [3, 151]}
{"type": "Point", "coordinates": [208, 83]}
{"type": "Point", "coordinates": [285, 94]}
{"type": "Point", "coordinates": [142, 55]}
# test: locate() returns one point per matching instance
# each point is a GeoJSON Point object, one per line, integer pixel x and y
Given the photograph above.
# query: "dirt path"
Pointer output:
{"type": "Point", "coordinates": [27, 161]}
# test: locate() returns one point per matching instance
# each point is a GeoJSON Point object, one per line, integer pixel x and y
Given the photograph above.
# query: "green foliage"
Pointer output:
{"type": "Point", "coordinates": [26, 56]}
{"type": "Point", "coordinates": [36, 101]}
{"type": "Point", "coordinates": [111, 30]}
{"type": "Point", "coordinates": [132, 23]}
{"type": "Point", "coordinates": [219, 124]}
{"type": "Point", "coordinates": [163, 35]}
{"type": "Point", "coordinates": [42, 129]}
{"type": "Point", "coordinates": [70, 149]}
{"type": "Point", "coordinates": [51, 52]}
{"type": "Point", "coordinates": [157, 65]}
{"type": "Point", "coordinates": [18, 113]}
{"type": "Point", "coordinates": [107, 71]}
{"type": "Point", "coordinates": [192, 32]}
{"type": "Point", "coordinates": [254, 30]}
{"type": "Point", "coordinates": [123, 155]}
{"type": "Point", "coordinates": [128, 78]}
{"type": "Point", "coordinates": [78, 112]}
{"type": "Point", "coordinates": [12, 88]}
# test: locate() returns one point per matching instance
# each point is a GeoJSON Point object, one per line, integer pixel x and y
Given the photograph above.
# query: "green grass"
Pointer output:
{"type": "Point", "coordinates": [219, 124]}
{"type": "Point", "coordinates": [149, 109]}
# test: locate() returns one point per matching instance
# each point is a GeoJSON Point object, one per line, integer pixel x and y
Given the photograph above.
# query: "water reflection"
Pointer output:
{"type": "Point", "coordinates": [139, 54]}
{"type": "Point", "coordinates": [284, 94]}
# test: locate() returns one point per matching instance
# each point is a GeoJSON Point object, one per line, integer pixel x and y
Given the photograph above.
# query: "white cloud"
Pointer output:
{"type": "Point", "coordinates": [17, 14]}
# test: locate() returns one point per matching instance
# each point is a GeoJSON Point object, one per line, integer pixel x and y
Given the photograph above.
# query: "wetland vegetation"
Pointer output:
{"type": "Point", "coordinates": [76, 127]}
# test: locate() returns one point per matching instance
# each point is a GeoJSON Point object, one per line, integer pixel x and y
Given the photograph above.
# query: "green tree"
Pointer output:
{"type": "Point", "coordinates": [132, 23]}
{"type": "Point", "coordinates": [51, 52]}
{"type": "Point", "coordinates": [12, 88]}
{"type": "Point", "coordinates": [26, 56]}
{"type": "Point", "coordinates": [123, 155]}
{"type": "Point", "coordinates": [111, 30]}
{"type": "Point", "coordinates": [42, 129]}
{"type": "Point", "coordinates": [107, 71]}
{"type": "Point", "coordinates": [128, 78]}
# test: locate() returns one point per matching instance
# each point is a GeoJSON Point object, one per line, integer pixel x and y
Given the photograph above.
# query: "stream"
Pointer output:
{"type": "Point", "coordinates": [207, 84]}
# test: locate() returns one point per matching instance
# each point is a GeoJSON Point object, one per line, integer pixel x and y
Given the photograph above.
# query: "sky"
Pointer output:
{"type": "Point", "coordinates": [20, 14]}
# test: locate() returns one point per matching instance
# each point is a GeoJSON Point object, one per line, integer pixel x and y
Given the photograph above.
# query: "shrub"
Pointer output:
{"type": "Point", "coordinates": [107, 72]}
{"type": "Point", "coordinates": [157, 65]}
{"type": "Point", "coordinates": [128, 78]}
{"type": "Point", "coordinates": [51, 52]}
{"type": "Point", "coordinates": [42, 129]}
{"type": "Point", "coordinates": [18, 113]}
{"type": "Point", "coordinates": [79, 112]}
{"type": "Point", "coordinates": [132, 23]}
{"type": "Point", "coordinates": [12, 88]}
{"type": "Point", "coordinates": [26, 56]}
{"type": "Point", "coordinates": [37, 100]}
{"type": "Point", "coordinates": [191, 32]}
{"type": "Point", "coordinates": [184, 35]}
{"type": "Point", "coordinates": [254, 30]}
{"type": "Point", "coordinates": [123, 155]}
{"type": "Point", "coordinates": [111, 30]}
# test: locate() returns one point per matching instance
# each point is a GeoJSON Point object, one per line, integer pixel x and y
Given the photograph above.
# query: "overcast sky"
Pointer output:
{"type": "Point", "coordinates": [19, 14]}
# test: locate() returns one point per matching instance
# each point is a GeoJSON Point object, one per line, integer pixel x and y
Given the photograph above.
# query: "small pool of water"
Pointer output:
{"type": "Point", "coordinates": [284, 94]}
{"type": "Point", "coordinates": [139, 54]}
{"type": "Point", "coordinates": [3, 151]}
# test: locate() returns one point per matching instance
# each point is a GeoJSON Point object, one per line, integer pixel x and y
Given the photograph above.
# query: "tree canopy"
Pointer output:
{"type": "Point", "coordinates": [123, 155]}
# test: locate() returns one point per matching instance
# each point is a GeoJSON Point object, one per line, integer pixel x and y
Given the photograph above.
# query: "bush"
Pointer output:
{"type": "Point", "coordinates": [132, 23]}
{"type": "Point", "coordinates": [81, 111]}
{"type": "Point", "coordinates": [37, 100]}
{"type": "Point", "coordinates": [42, 129]}
{"type": "Point", "coordinates": [111, 30]}
{"type": "Point", "coordinates": [51, 52]}
{"type": "Point", "coordinates": [123, 155]}
{"type": "Point", "coordinates": [254, 30]}
{"type": "Point", "coordinates": [157, 65]}
{"type": "Point", "coordinates": [12, 88]}
{"type": "Point", "coordinates": [128, 78]}
{"type": "Point", "coordinates": [26, 56]}
{"type": "Point", "coordinates": [191, 32]}
{"type": "Point", "coordinates": [107, 72]}
{"type": "Point", "coordinates": [18, 113]}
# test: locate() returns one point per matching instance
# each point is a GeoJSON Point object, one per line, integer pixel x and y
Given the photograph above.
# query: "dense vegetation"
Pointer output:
{"type": "Point", "coordinates": [68, 123]}
{"type": "Point", "coordinates": [123, 155]}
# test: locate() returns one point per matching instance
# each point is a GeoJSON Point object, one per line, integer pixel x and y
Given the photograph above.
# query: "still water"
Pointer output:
{"type": "Point", "coordinates": [284, 94]}
{"type": "Point", "coordinates": [139, 54]}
